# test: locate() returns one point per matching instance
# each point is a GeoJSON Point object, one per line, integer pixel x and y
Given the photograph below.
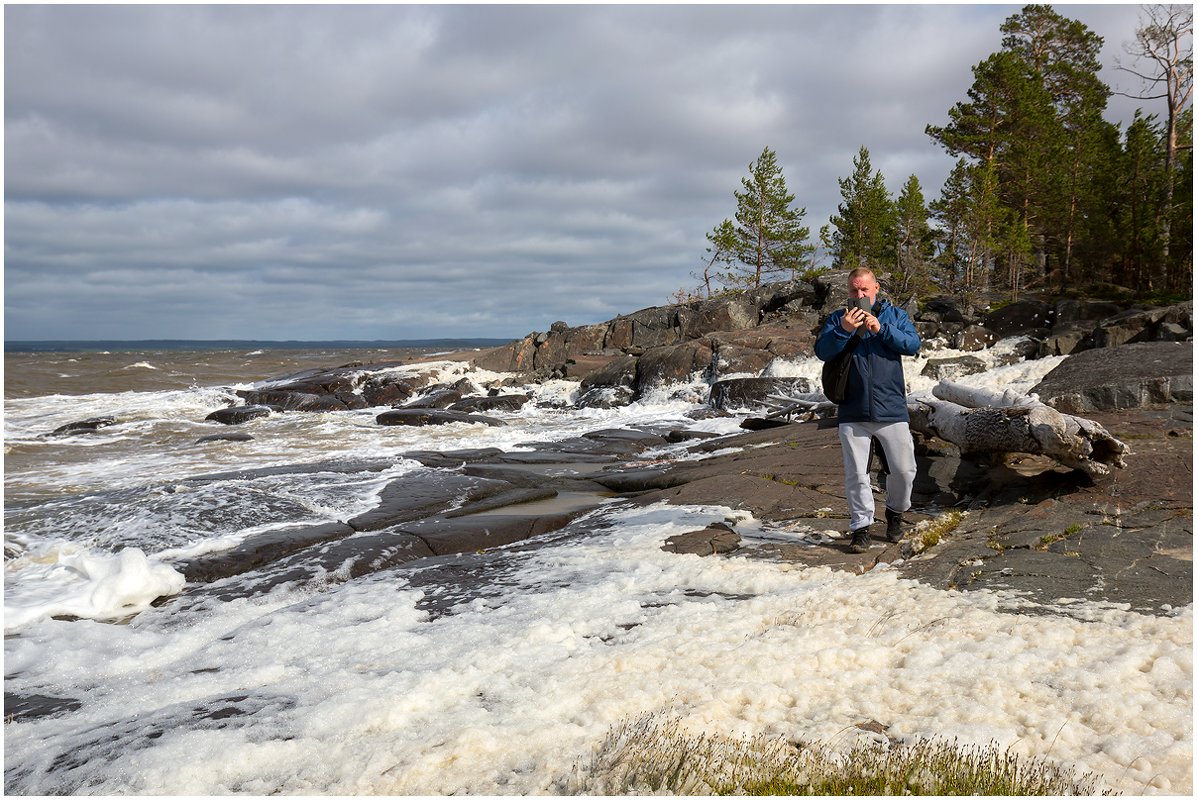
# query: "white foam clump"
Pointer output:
{"type": "Point", "coordinates": [84, 584]}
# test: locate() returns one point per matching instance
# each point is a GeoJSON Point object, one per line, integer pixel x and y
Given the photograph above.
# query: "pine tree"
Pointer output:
{"type": "Point", "coordinates": [1142, 180]}
{"type": "Point", "coordinates": [767, 236]}
{"type": "Point", "coordinates": [950, 211]}
{"type": "Point", "coordinates": [913, 244]}
{"type": "Point", "coordinates": [1061, 56]}
{"type": "Point", "coordinates": [1034, 117]}
{"type": "Point", "coordinates": [864, 233]}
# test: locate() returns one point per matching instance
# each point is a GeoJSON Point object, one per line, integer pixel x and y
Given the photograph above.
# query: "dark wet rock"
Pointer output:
{"type": "Point", "coordinates": [1072, 311]}
{"type": "Point", "coordinates": [639, 480]}
{"type": "Point", "coordinates": [953, 368]}
{"type": "Point", "coordinates": [88, 426]}
{"type": "Point", "coordinates": [1021, 317]}
{"type": "Point", "coordinates": [424, 494]}
{"type": "Point", "coordinates": [604, 397]}
{"type": "Point", "coordinates": [570, 476]}
{"type": "Point", "coordinates": [295, 401]}
{"type": "Point", "coordinates": [385, 391]}
{"type": "Point", "coordinates": [512, 497]}
{"type": "Point", "coordinates": [671, 365]}
{"type": "Point", "coordinates": [548, 456]}
{"type": "Point", "coordinates": [975, 338]}
{"type": "Point", "coordinates": [1143, 325]}
{"type": "Point", "coordinates": [928, 332]}
{"type": "Point", "coordinates": [432, 417]}
{"type": "Point", "coordinates": [351, 386]}
{"type": "Point", "coordinates": [453, 459]}
{"type": "Point", "coordinates": [28, 706]}
{"type": "Point", "coordinates": [236, 415]}
{"type": "Point", "coordinates": [706, 413]}
{"type": "Point", "coordinates": [751, 393]}
{"type": "Point", "coordinates": [439, 399]}
{"type": "Point", "coordinates": [762, 423]}
{"type": "Point", "coordinates": [1123, 377]}
{"type": "Point", "coordinates": [320, 565]}
{"type": "Point", "coordinates": [258, 550]}
{"type": "Point", "coordinates": [684, 434]}
{"type": "Point", "coordinates": [331, 466]}
{"type": "Point", "coordinates": [639, 440]}
{"type": "Point", "coordinates": [482, 531]}
{"type": "Point", "coordinates": [620, 372]}
{"type": "Point", "coordinates": [490, 403]}
{"type": "Point", "coordinates": [236, 436]}
{"type": "Point", "coordinates": [736, 359]}
{"type": "Point", "coordinates": [716, 538]}
{"type": "Point", "coordinates": [1068, 338]}
{"type": "Point", "coordinates": [942, 309]}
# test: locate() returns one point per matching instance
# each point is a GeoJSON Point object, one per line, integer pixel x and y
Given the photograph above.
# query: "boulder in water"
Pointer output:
{"type": "Point", "coordinates": [236, 415]}
{"type": "Point", "coordinates": [431, 417]}
{"type": "Point", "coordinates": [88, 426]}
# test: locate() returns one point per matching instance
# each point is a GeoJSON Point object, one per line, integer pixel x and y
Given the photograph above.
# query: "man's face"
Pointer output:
{"type": "Point", "coordinates": [864, 286]}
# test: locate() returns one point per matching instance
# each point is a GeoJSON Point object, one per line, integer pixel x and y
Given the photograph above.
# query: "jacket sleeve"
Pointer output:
{"type": "Point", "coordinates": [832, 337]}
{"type": "Point", "coordinates": [898, 333]}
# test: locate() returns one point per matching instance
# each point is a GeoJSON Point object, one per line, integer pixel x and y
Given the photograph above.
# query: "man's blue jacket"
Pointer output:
{"type": "Point", "coordinates": [876, 390]}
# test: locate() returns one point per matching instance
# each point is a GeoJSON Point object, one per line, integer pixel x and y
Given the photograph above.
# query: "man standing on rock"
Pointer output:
{"type": "Point", "coordinates": [875, 404]}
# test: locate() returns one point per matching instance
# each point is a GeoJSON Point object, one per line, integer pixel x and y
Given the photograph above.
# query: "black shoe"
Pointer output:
{"type": "Point", "coordinates": [894, 525]}
{"type": "Point", "coordinates": [860, 541]}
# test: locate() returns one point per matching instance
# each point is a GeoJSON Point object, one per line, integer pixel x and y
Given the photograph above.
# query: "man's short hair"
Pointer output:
{"type": "Point", "coordinates": [858, 272]}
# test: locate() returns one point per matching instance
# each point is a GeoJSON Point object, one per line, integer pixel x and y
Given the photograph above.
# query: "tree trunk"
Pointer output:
{"type": "Point", "coordinates": [983, 421]}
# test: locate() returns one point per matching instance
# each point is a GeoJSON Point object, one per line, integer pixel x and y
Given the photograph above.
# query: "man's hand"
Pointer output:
{"type": "Point", "coordinates": [855, 318]}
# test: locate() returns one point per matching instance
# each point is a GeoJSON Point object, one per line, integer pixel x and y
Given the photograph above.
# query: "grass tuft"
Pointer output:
{"type": "Point", "coordinates": [655, 755]}
{"type": "Point", "coordinates": [929, 532]}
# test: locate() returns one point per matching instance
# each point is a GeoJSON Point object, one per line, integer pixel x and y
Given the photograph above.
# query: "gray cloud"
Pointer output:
{"type": "Point", "coordinates": [307, 172]}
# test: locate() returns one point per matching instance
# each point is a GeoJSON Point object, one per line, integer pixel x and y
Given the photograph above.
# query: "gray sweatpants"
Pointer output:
{"type": "Point", "coordinates": [900, 458]}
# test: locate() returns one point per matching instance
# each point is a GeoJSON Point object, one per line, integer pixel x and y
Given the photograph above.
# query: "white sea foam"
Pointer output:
{"type": "Point", "coordinates": [361, 692]}
{"type": "Point", "coordinates": [83, 584]}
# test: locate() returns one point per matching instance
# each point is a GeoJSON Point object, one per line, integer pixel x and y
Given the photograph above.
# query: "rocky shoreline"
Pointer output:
{"type": "Point", "coordinates": [1019, 523]}
{"type": "Point", "coordinates": [1046, 536]}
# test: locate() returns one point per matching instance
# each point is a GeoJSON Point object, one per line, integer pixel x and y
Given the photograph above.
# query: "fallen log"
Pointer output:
{"type": "Point", "coordinates": [986, 421]}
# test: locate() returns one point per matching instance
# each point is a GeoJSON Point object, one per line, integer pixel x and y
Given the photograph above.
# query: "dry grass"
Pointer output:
{"type": "Point", "coordinates": [652, 755]}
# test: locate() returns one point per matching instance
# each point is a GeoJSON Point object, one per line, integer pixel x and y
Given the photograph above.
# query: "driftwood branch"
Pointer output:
{"type": "Point", "coordinates": [982, 421]}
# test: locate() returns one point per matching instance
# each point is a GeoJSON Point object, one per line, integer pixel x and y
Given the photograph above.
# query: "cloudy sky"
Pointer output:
{"type": "Point", "coordinates": [397, 172]}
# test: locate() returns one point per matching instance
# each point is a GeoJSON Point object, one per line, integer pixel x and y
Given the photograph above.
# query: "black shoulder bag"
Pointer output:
{"type": "Point", "coordinates": [835, 375]}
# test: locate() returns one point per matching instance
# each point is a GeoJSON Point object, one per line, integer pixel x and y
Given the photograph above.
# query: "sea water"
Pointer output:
{"type": "Point", "coordinates": [363, 687]}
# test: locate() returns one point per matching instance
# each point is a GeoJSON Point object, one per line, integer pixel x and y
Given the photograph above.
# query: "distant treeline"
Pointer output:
{"type": "Point", "coordinates": [1045, 194]}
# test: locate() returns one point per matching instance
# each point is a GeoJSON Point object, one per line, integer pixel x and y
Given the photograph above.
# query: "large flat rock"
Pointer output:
{"type": "Point", "coordinates": [1046, 535]}
{"type": "Point", "coordinates": [1123, 377]}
